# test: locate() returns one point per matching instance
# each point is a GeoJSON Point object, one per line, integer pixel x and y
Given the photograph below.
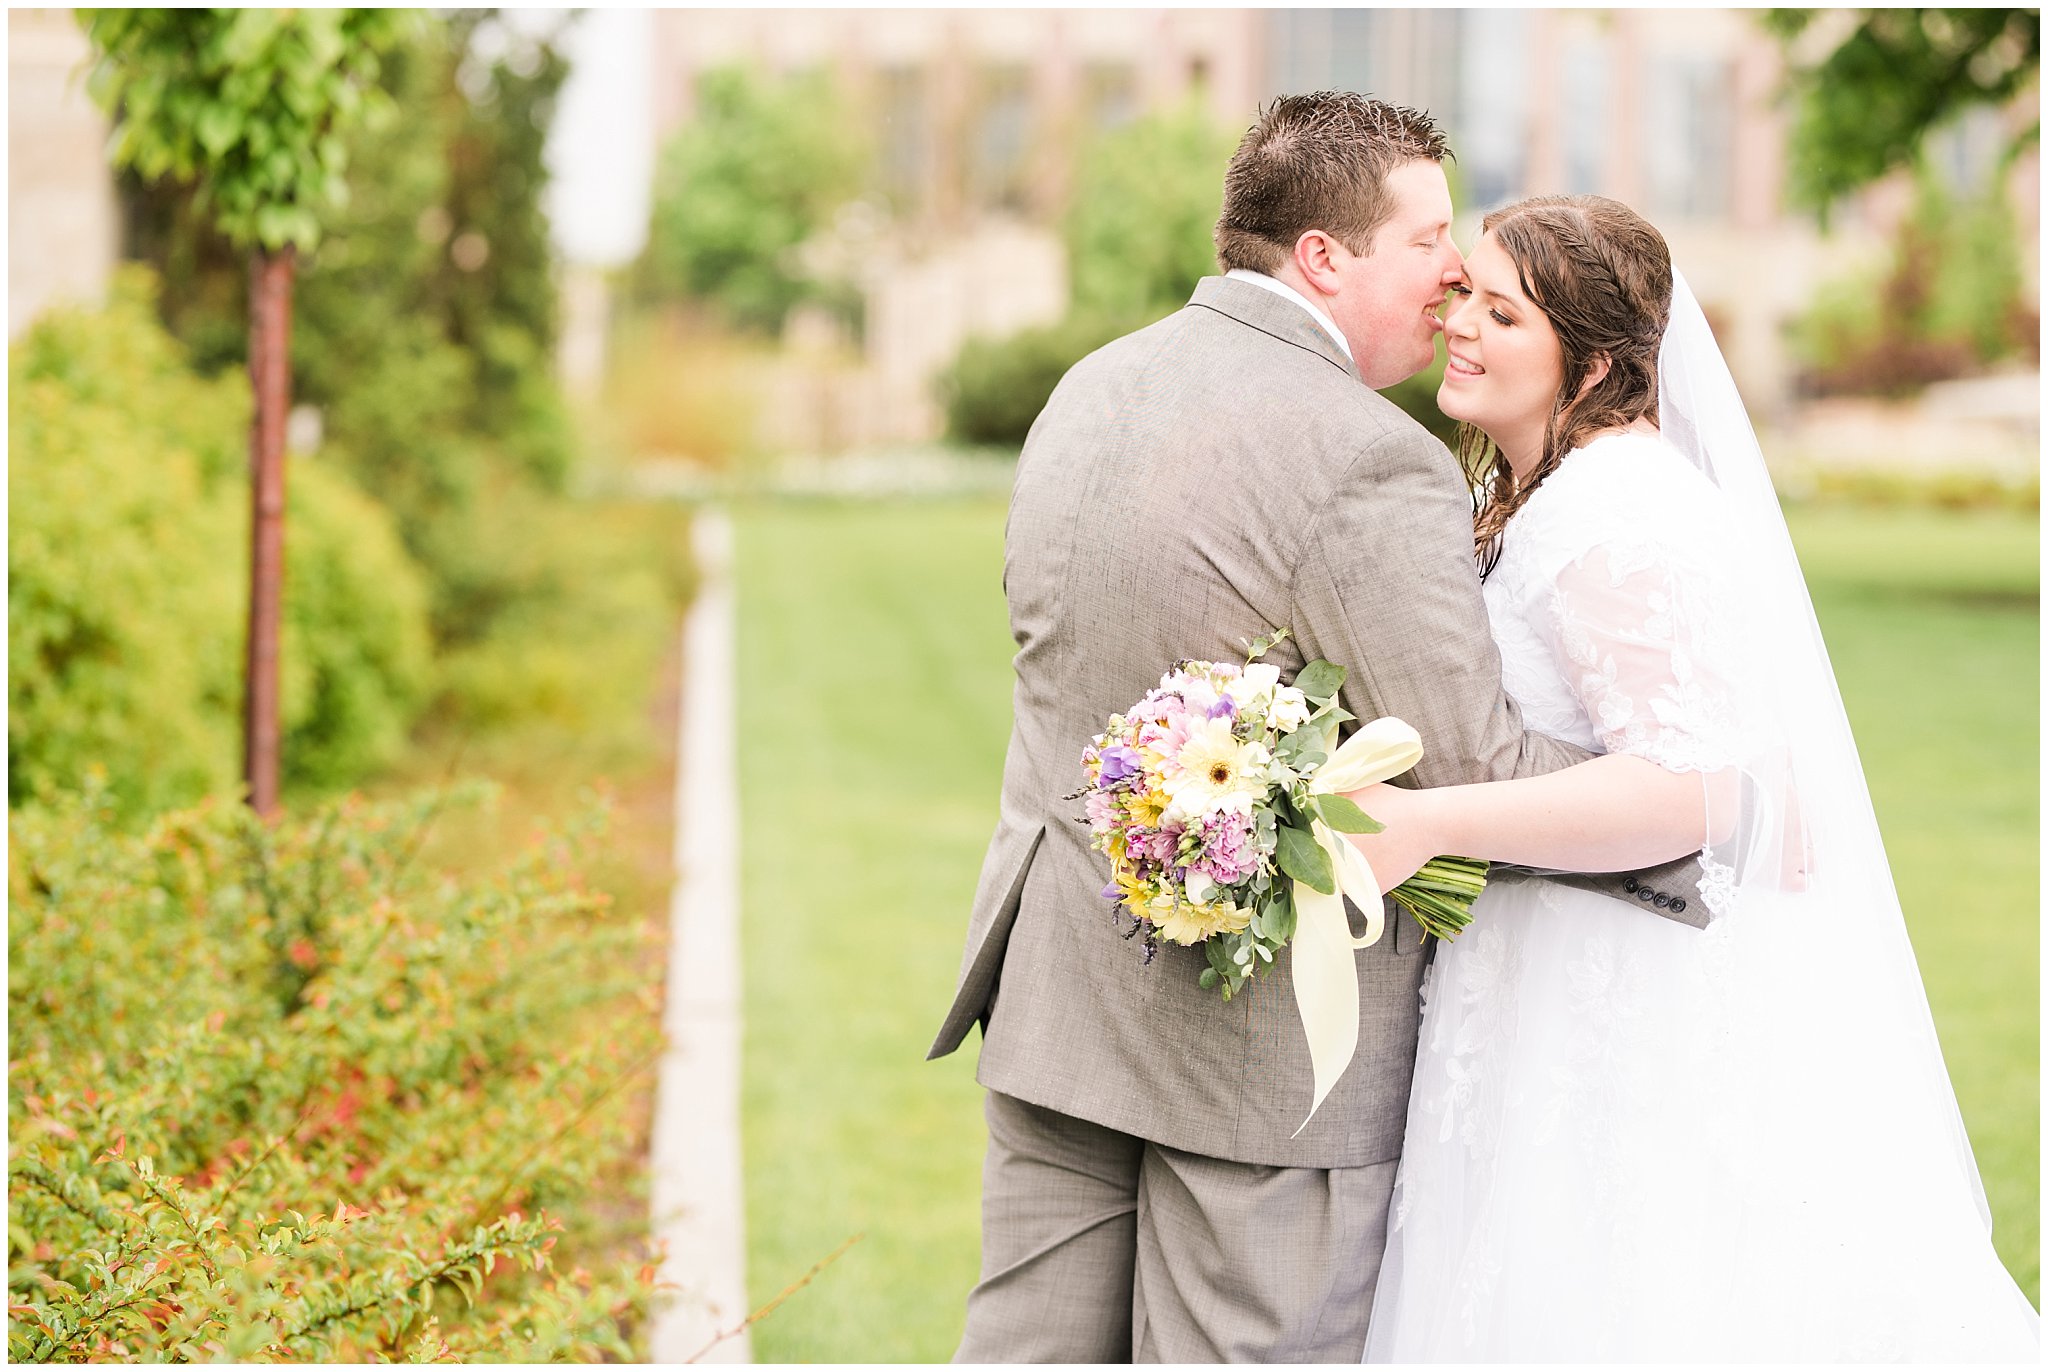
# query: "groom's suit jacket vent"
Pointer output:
{"type": "Point", "coordinates": [1188, 487]}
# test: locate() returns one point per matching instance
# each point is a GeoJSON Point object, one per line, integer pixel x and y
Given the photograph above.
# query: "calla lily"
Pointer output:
{"type": "Point", "coordinates": [1384, 748]}
{"type": "Point", "coordinates": [1325, 973]}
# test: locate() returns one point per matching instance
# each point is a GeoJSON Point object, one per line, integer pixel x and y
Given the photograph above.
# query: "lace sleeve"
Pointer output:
{"type": "Point", "coordinates": [1637, 628]}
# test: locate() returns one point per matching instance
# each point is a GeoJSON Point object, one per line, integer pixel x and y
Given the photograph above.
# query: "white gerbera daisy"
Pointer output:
{"type": "Point", "coordinates": [1215, 768]}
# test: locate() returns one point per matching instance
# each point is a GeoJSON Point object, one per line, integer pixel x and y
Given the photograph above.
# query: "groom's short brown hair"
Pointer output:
{"type": "Point", "coordinates": [1317, 161]}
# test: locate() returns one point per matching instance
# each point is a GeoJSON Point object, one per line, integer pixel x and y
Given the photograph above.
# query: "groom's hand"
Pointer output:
{"type": "Point", "coordinates": [1398, 851]}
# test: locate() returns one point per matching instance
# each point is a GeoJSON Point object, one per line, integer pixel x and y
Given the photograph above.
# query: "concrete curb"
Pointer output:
{"type": "Point", "coordinates": [698, 1206]}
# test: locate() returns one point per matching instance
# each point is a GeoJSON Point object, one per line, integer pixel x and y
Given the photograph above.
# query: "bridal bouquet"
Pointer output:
{"type": "Point", "coordinates": [1217, 801]}
{"type": "Point", "coordinates": [1222, 784]}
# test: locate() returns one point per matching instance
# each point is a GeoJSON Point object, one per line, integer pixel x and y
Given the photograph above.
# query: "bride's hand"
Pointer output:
{"type": "Point", "coordinates": [1398, 851]}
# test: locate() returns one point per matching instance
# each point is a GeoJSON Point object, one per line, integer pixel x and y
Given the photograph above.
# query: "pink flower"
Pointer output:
{"type": "Point", "coordinates": [1229, 854]}
{"type": "Point", "coordinates": [1160, 847]}
{"type": "Point", "coordinates": [1166, 731]}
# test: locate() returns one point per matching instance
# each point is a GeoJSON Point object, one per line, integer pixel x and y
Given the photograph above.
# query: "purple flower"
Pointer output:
{"type": "Point", "coordinates": [1224, 708]}
{"type": "Point", "coordinates": [1119, 765]}
{"type": "Point", "coordinates": [1112, 892]}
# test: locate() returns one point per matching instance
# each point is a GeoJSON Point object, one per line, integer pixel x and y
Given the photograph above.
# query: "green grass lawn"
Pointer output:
{"type": "Point", "coordinates": [874, 672]}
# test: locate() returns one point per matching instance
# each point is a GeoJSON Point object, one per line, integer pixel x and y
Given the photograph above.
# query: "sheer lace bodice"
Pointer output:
{"type": "Point", "coordinates": [1610, 608]}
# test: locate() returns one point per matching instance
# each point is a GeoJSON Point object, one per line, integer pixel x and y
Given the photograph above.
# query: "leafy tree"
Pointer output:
{"type": "Point", "coordinates": [425, 322]}
{"type": "Point", "coordinates": [1868, 105]}
{"type": "Point", "coordinates": [758, 172]}
{"type": "Point", "coordinates": [253, 106]}
{"type": "Point", "coordinates": [1140, 228]}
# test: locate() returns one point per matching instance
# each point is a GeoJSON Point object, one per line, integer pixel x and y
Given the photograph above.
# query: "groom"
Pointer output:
{"type": "Point", "coordinates": [1227, 470]}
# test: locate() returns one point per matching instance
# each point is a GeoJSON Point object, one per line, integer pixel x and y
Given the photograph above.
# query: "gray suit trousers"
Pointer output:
{"type": "Point", "coordinates": [1101, 1247]}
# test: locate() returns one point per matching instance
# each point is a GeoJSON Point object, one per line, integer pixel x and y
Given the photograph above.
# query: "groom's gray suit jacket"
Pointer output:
{"type": "Point", "coordinates": [1188, 487]}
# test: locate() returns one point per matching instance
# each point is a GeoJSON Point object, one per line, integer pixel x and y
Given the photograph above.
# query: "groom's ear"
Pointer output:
{"type": "Point", "coordinates": [1315, 258]}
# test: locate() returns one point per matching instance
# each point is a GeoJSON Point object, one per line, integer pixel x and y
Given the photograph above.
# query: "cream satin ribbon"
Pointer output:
{"type": "Point", "coordinates": [1325, 972]}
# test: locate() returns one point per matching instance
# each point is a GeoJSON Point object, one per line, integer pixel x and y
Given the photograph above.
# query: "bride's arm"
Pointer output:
{"type": "Point", "coordinates": [1614, 813]}
{"type": "Point", "coordinates": [1632, 625]}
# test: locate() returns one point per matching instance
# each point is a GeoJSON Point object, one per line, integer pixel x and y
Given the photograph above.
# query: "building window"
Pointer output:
{"type": "Point", "coordinates": [1491, 137]}
{"type": "Point", "coordinates": [1967, 154]}
{"type": "Point", "coordinates": [1109, 94]}
{"type": "Point", "coordinates": [906, 135]}
{"type": "Point", "coordinates": [1690, 123]}
{"type": "Point", "coordinates": [1584, 106]}
{"type": "Point", "coordinates": [1002, 138]}
{"type": "Point", "coordinates": [1311, 50]}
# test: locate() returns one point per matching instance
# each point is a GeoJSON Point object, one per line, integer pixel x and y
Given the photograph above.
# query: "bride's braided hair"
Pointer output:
{"type": "Point", "coordinates": [1602, 277]}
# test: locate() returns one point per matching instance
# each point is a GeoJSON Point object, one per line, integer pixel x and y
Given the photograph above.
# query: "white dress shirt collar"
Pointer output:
{"type": "Point", "coordinates": [1287, 292]}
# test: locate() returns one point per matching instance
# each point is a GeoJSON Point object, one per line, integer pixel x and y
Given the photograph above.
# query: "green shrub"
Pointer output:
{"type": "Point", "coordinates": [578, 602]}
{"type": "Point", "coordinates": [996, 386]}
{"type": "Point", "coordinates": [128, 572]}
{"type": "Point", "coordinates": [1947, 489]}
{"type": "Point", "coordinates": [1949, 302]}
{"type": "Point", "coordinates": [277, 1093]}
{"type": "Point", "coordinates": [354, 658]}
{"type": "Point", "coordinates": [125, 561]}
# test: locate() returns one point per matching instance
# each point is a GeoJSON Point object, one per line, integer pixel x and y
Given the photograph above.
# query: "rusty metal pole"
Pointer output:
{"type": "Point", "coordinates": [270, 325]}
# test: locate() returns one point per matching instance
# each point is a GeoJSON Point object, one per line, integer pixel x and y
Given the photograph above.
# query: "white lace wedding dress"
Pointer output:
{"type": "Point", "coordinates": [1629, 1139]}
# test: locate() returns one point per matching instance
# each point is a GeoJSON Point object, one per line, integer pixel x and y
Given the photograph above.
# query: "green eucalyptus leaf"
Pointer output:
{"type": "Point", "coordinates": [1319, 680]}
{"type": "Point", "coordinates": [1302, 858]}
{"type": "Point", "coordinates": [1280, 917]}
{"type": "Point", "coordinates": [1342, 814]}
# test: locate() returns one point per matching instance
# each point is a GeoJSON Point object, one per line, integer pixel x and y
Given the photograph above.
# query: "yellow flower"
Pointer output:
{"type": "Point", "coordinates": [1148, 808]}
{"type": "Point", "coordinates": [1137, 893]}
{"type": "Point", "coordinates": [1187, 924]}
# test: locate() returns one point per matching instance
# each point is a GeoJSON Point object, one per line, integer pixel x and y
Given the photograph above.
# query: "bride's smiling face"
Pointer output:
{"type": "Point", "coordinates": [1505, 366]}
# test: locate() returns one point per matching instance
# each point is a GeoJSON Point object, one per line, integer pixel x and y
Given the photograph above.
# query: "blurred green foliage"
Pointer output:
{"type": "Point", "coordinates": [995, 387]}
{"type": "Point", "coordinates": [1825, 486]}
{"type": "Point", "coordinates": [1867, 106]}
{"type": "Point", "coordinates": [427, 324]}
{"type": "Point", "coordinates": [128, 567]}
{"type": "Point", "coordinates": [253, 105]}
{"type": "Point", "coordinates": [1138, 234]}
{"type": "Point", "coordinates": [1951, 300]}
{"type": "Point", "coordinates": [757, 173]}
{"type": "Point", "coordinates": [284, 1093]}
{"type": "Point", "coordinates": [1140, 229]}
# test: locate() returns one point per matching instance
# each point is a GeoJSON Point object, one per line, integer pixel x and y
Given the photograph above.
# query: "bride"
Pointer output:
{"type": "Point", "coordinates": [1629, 1139]}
